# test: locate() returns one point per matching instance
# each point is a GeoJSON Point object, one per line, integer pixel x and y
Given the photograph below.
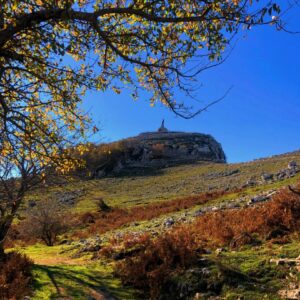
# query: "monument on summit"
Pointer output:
{"type": "Point", "coordinates": [162, 127]}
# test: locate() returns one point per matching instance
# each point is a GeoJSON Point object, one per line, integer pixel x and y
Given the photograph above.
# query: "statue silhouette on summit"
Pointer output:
{"type": "Point", "coordinates": [162, 127]}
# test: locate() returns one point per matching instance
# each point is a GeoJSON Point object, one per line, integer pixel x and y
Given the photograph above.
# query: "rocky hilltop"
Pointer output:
{"type": "Point", "coordinates": [163, 148]}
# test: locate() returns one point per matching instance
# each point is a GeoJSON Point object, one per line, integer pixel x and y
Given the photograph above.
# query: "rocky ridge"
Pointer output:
{"type": "Point", "coordinates": [165, 148]}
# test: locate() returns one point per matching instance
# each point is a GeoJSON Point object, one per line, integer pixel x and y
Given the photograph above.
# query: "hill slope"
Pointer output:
{"type": "Point", "coordinates": [152, 205]}
{"type": "Point", "coordinates": [170, 183]}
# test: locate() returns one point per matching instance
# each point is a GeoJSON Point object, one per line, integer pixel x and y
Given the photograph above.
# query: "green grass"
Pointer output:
{"type": "Point", "coordinates": [245, 273]}
{"type": "Point", "coordinates": [170, 183]}
{"type": "Point", "coordinates": [58, 253]}
{"type": "Point", "coordinates": [57, 275]}
{"type": "Point", "coordinates": [77, 282]}
{"type": "Point", "coordinates": [260, 279]}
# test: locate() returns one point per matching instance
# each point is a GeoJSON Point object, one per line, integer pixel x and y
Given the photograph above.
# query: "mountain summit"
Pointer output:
{"type": "Point", "coordinates": [163, 148]}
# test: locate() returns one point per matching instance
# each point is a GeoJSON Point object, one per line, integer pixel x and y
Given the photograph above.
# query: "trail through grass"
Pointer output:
{"type": "Point", "coordinates": [58, 276]}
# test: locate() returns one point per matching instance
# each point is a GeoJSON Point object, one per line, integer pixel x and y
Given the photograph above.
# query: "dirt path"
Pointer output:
{"type": "Point", "coordinates": [69, 278]}
{"type": "Point", "coordinates": [56, 260]}
{"type": "Point", "coordinates": [66, 282]}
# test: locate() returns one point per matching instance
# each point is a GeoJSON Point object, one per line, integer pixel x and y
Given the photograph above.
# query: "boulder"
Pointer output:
{"type": "Point", "coordinates": [198, 213]}
{"type": "Point", "coordinates": [69, 197]}
{"type": "Point", "coordinates": [265, 177]}
{"type": "Point", "coordinates": [292, 165]}
{"type": "Point", "coordinates": [169, 222]}
{"type": "Point", "coordinates": [250, 183]}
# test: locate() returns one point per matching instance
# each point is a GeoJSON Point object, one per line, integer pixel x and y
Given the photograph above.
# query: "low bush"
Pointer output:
{"type": "Point", "coordinates": [15, 276]}
{"type": "Point", "coordinates": [152, 267]}
{"type": "Point", "coordinates": [275, 218]}
{"type": "Point", "coordinates": [125, 246]}
{"type": "Point", "coordinates": [117, 217]}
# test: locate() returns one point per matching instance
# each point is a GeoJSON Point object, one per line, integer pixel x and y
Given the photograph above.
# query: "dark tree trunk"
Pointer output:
{"type": "Point", "coordinates": [4, 228]}
{"type": "Point", "coordinates": [2, 254]}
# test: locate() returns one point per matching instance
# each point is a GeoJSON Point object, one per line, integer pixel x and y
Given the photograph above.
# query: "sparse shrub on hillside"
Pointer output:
{"type": "Point", "coordinates": [87, 218]}
{"type": "Point", "coordinates": [152, 266]}
{"type": "Point", "coordinates": [116, 217]}
{"type": "Point", "coordinates": [126, 245]}
{"type": "Point", "coordinates": [281, 214]}
{"type": "Point", "coordinates": [15, 276]}
{"type": "Point", "coordinates": [13, 237]}
{"type": "Point", "coordinates": [102, 206]}
{"type": "Point", "coordinates": [45, 221]}
{"type": "Point", "coordinates": [155, 262]}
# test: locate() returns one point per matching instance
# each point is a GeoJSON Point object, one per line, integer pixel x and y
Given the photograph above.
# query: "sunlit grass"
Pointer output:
{"type": "Point", "coordinates": [57, 274]}
{"type": "Point", "coordinates": [170, 183]}
{"type": "Point", "coordinates": [260, 279]}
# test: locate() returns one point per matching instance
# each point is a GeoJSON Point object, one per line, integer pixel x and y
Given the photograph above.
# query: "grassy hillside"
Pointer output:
{"type": "Point", "coordinates": [145, 207]}
{"type": "Point", "coordinates": [169, 183]}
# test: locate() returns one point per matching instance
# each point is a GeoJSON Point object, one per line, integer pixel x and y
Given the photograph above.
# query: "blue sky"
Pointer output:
{"type": "Point", "coordinates": [260, 116]}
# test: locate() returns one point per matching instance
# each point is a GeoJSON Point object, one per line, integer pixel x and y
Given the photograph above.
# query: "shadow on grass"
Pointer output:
{"type": "Point", "coordinates": [261, 281]}
{"type": "Point", "coordinates": [78, 282]}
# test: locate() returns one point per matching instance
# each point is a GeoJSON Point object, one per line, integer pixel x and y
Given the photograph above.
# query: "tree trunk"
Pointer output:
{"type": "Point", "coordinates": [2, 254]}
{"type": "Point", "coordinates": [4, 228]}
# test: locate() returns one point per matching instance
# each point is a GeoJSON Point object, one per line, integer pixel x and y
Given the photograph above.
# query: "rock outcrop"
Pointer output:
{"type": "Point", "coordinates": [165, 148]}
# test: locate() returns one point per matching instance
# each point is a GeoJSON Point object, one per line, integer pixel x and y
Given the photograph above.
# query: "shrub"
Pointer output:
{"type": "Point", "coordinates": [103, 155]}
{"type": "Point", "coordinates": [281, 215]}
{"type": "Point", "coordinates": [87, 218]}
{"type": "Point", "coordinates": [13, 237]}
{"type": "Point", "coordinates": [117, 217]}
{"type": "Point", "coordinates": [152, 267]}
{"type": "Point", "coordinates": [102, 206]}
{"type": "Point", "coordinates": [15, 276]}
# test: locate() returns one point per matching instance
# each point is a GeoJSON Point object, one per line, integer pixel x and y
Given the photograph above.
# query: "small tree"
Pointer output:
{"type": "Point", "coordinates": [17, 176]}
{"type": "Point", "coordinates": [45, 221]}
{"type": "Point", "coordinates": [20, 171]}
{"type": "Point", "coordinates": [102, 206]}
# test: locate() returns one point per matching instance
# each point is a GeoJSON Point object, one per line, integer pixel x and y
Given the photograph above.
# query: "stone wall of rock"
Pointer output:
{"type": "Point", "coordinates": [161, 149]}
{"type": "Point", "coordinates": [155, 147]}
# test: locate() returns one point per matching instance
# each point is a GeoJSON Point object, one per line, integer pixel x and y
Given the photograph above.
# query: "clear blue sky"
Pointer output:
{"type": "Point", "coordinates": [260, 116]}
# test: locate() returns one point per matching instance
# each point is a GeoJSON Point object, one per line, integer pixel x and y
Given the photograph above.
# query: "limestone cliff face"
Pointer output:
{"type": "Point", "coordinates": [166, 148]}
{"type": "Point", "coordinates": [174, 147]}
